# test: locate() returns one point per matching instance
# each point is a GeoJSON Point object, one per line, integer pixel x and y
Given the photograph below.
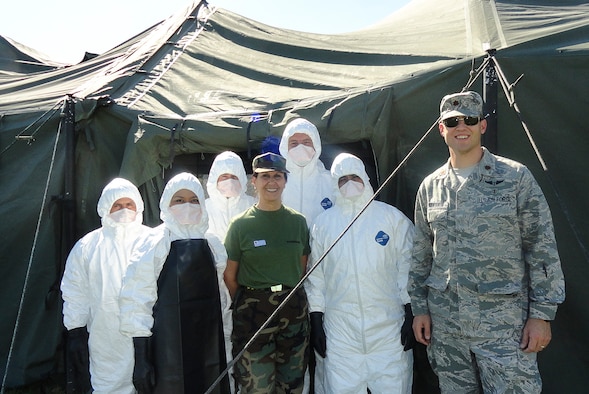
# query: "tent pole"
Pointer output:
{"type": "Point", "coordinates": [490, 89]}
{"type": "Point", "coordinates": [75, 382]}
{"type": "Point", "coordinates": [68, 122]}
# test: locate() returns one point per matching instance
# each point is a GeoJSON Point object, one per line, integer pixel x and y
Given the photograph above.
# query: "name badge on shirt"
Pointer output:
{"type": "Point", "coordinates": [259, 242]}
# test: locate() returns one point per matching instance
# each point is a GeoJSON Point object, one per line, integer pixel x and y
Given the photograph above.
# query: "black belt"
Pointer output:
{"type": "Point", "coordinates": [271, 289]}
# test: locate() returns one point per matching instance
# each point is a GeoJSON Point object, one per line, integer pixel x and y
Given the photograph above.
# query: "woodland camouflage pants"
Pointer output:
{"type": "Point", "coordinates": [276, 361]}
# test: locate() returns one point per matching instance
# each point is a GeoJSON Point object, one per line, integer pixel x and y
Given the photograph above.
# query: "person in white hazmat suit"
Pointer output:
{"type": "Point", "coordinates": [308, 191]}
{"type": "Point", "coordinates": [358, 301]}
{"type": "Point", "coordinates": [90, 289]}
{"type": "Point", "coordinates": [170, 300]}
{"type": "Point", "coordinates": [227, 186]}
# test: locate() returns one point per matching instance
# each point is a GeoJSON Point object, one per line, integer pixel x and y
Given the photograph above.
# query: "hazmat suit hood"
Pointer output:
{"type": "Point", "coordinates": [348, 164]}
{"type": "Point", "coordinates": [116, 189]}
{"type": "Point", "coordinates": [222, 209]}
{"type": "Point", "coordinates": [226, 163]}
{"type": "Point", "coordinates": [305, 127]}
{"type": "Point", "coordinates": [183, 231]}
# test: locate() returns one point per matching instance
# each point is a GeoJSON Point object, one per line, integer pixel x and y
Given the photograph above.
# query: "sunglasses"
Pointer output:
{"type": "Point", "coordinates": [468, 120]}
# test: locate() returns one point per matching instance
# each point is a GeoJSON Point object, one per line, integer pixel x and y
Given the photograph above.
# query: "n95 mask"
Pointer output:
{"type": "Point", "coordinates": [301, 154]}
{"type": "Point", "coordinates": [351, 189]}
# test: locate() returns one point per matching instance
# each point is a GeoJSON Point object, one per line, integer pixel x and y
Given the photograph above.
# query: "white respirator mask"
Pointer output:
{"type": "Point", "coordinates": [124, 215]}
{"type": "Point", "coordinates": [301, 154]}
{"type": "Point", "coordinates": [186, 213]}
{"type": "Point", "coordinates": [351, 189]}
{"type": "Point", "coordinates": [229, 187]}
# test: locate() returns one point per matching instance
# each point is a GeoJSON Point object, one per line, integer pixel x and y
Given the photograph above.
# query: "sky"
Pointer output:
{"type": "Point", "coordinates": [63, 30]}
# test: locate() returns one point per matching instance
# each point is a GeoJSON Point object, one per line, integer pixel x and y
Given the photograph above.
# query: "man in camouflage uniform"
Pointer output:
{"type": "Point", "coordinates": [485, 277]}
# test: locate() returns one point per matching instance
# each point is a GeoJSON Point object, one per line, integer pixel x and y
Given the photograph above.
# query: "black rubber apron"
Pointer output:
{"type": "Point", "coordinates": [188, 341]}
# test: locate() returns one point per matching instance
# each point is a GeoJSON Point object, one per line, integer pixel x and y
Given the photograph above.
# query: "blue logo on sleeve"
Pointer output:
{"type": "Point", "coordinates": [382, 238]}
{"type": "Point", "coordinates": [326, 203]}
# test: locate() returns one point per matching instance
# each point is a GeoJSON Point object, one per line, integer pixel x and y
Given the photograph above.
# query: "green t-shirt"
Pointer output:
{"type": "Point", "coordinates": [268, 245]}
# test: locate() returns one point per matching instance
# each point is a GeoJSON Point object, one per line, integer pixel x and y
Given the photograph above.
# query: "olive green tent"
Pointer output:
{"type": "Point", "coordinates": [207, 80]}
{"type": "Point", "coordinates": [17, 59]}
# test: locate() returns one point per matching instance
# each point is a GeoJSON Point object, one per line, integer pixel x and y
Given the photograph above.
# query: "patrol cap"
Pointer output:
{"type": "Point", "coordinates": [461, 104]}
{"type": "Point", "coordinates": [269, 161]}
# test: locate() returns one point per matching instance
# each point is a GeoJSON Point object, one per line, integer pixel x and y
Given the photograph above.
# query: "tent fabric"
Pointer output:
{"type": "Point", "coordinates": [16, 59]}
{"type": "Point", "coordinates": [207, 80]}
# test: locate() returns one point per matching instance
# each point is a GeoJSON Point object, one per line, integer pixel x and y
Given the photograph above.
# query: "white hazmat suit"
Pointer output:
{"type": "Point", "coordinates": [361, 287]}
{"type": "Point", "coordinates": [90, 288]}
{"type": "Point", "coordinates": [308, 191]}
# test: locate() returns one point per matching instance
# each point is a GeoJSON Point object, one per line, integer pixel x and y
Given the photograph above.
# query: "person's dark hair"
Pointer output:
{"type": "Point", "coordinates": [255, 175]}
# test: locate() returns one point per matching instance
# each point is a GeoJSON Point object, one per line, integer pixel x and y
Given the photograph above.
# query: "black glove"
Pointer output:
{"type": "Point", "coordinates": [318, 333]}
{"type": "Point", "coordinates": [77, 349]}
{"type": "Point", "coordinates": [143, 374]}
{"type": "Point", "coordinates": [407, 335]}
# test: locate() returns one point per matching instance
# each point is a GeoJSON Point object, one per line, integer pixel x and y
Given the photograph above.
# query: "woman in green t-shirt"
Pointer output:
{"type": "Point", "coordinates": [267, 248]}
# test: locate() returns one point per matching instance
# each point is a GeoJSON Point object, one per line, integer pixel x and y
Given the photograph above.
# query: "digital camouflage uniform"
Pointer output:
{"type": "Point", "coordinates": [484, 261]}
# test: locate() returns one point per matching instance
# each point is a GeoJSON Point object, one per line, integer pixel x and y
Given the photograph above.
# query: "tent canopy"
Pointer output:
{"type": "Point", "coordinates": [207, 80]}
